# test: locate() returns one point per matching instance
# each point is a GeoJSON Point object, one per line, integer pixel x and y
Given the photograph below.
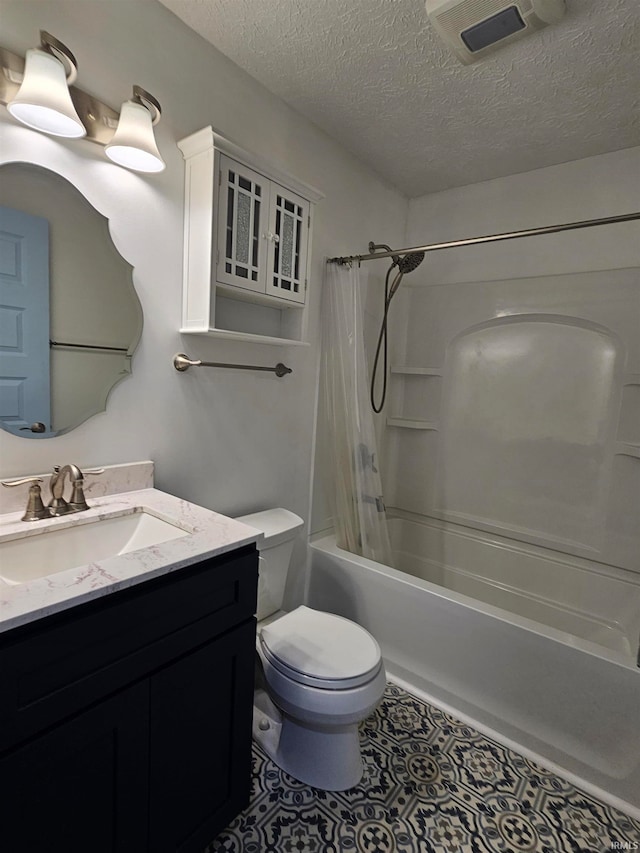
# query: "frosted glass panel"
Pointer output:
{"type": "Point", "coordinates": [242, 225]}
{"type": "Point", "coordinates": [239, 227]}
{"type": "Point", "coordinates": [287, 245]}
{"type": "Point", "coordinates": [528, 424]}
{"type": "Point", "coordinates": [287, 259]}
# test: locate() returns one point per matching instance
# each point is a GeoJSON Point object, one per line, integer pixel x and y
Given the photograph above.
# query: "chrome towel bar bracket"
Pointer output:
{"type": "Point", "coordinates": [182, 362]}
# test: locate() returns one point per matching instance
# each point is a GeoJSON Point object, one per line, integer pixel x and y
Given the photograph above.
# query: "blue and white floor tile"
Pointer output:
{"type": "Point", "coordinates": [431, 785]}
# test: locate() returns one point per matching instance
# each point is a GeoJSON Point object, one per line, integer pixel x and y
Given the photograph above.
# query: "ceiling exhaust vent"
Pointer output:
{"type": "Point", "coordinates": [475, 28]}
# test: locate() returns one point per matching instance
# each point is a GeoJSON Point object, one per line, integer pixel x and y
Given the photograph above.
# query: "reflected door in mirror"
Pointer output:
{"type": "Point", "coordinates": [24, 321]}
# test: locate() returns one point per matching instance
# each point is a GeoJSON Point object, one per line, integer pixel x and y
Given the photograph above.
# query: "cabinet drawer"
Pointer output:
{"type": "Point", "coordinates": [53, 668]}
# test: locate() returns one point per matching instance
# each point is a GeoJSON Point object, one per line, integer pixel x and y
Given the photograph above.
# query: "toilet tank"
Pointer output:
{"type": "Point", "coordinates": [280, 528]}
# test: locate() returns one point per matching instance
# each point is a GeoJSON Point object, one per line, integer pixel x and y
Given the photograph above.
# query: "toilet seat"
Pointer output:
{"type": "Point", "coordinates": [321, 650]}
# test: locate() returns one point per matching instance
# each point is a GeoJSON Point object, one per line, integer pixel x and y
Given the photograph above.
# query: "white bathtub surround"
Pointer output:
{"type": "Point", "coordinates": [208, 535]}
{"type": "Point", "coordinates": [568, 700]}
{"type": "Point", "coordinates": [533, 405]}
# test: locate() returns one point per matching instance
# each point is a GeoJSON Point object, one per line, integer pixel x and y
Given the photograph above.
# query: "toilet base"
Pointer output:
{"type": "Point", "coordinates": [327, 759]}
{"type": "Point", "coordinates": [267, 723]}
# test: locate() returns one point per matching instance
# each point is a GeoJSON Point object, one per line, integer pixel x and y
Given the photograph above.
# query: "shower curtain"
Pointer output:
{"type": "Point", "coordinates": [357, 504]}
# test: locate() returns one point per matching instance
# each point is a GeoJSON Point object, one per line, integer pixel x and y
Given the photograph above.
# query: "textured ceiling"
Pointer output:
{"type": "Point", "coordinates": [375, 76]}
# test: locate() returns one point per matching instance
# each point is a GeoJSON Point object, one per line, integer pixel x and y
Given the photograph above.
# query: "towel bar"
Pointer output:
{"type": "Point", "coordinates": [182, 362]}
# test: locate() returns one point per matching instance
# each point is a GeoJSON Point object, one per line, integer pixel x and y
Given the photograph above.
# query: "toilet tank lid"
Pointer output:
{"type": "Point", "coordinates": [321, 645]}
{"type": "Point", "coordinates": [278, 525]}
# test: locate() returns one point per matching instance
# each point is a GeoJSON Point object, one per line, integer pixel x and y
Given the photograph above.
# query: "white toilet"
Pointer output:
{"type": "Point", "coordinates": [322, 674]}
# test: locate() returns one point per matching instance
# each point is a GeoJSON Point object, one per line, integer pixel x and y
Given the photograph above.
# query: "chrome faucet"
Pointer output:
{"type": "Point", "coordinates": [58, 505]}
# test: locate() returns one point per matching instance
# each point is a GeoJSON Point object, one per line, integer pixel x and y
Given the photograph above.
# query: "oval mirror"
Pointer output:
{"type": "Point", "coordinates": [70, 318]}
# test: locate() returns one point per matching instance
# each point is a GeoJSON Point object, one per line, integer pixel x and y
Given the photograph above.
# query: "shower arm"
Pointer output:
{"type": "Point", "coordinates": [489, 238]}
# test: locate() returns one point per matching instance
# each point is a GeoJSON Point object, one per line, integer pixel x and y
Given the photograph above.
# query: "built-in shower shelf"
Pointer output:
{"type": "Point", "coordinates": [416, 371]}
{"type": "Point", "coordinates": [625, 448]}
{"type": "Point", "coordinates": [402, 371]}
{"type": "Point", "coordinates": [408, 423]}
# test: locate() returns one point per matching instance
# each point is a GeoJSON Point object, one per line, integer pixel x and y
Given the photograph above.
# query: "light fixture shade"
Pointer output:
{"type": "Point", "coordinates": [43, 101]}
{"type": "Point", "coordinates": [134, 144]}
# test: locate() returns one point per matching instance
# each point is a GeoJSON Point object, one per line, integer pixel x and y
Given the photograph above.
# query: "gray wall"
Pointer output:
{"type": "Point", "coordinates": [231, 441]}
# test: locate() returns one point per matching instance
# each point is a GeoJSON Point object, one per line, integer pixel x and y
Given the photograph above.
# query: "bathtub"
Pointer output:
{"type": "Point", "coordinates": [534, 648]}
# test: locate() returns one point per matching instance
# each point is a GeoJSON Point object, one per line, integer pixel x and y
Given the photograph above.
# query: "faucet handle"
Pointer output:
{"type": "Point", "coordinates": [35, 508]}
{"type": "Point", "coordinates": [78, 501]}
{"type": "Point", "coordinates": [21, 481]}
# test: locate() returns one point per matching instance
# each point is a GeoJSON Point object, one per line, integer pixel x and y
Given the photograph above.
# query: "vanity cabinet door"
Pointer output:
{"type": "Point", "coordinates": [200, 742]}
{"type": "Point", "coordinates": [83, 785]}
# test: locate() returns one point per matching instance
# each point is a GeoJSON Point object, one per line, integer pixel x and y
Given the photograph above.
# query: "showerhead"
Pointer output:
{"type": "Point", "coordinates": [410, 262]}
{"type": "Point", "coordinates": [406, 263]}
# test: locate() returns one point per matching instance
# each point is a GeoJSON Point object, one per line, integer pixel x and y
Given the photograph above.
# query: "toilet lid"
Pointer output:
{"type": "Point", "coordinates": [321, 649]}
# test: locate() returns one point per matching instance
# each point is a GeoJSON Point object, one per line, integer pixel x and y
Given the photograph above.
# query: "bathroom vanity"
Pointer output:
{"type": "Point", "coordinates": [126, 688]}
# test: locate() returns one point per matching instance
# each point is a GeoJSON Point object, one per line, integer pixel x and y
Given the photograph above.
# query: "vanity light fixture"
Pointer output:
{"type": "Point", "coordinates": [133, 144]}
{"type": "Point", "coordinates": [43, 101]}
{"type": "Point", "coordinates": [38, 92]}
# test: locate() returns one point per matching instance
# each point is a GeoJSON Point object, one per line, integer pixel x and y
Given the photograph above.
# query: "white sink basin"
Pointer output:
{"type": "Point", "coordinates": [49, 551]}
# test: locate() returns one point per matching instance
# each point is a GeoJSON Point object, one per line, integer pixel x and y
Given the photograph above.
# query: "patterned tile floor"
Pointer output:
{"type": "Point", "coordinates": [431, 785]}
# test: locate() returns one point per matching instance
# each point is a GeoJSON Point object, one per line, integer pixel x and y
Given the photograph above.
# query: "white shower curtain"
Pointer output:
{"type": "Point", "coordinates": [358, 507]}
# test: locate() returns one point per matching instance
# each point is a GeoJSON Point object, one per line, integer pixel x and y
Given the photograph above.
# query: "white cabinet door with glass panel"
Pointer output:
{"type": "Point", "coordinates": [262, 234]}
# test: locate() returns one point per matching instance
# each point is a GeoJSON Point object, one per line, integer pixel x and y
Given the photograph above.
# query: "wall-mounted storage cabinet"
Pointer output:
{"type": "Point", "coordinates": [262, 234]}
{"type": "Point", "coordinates": [246, 244]}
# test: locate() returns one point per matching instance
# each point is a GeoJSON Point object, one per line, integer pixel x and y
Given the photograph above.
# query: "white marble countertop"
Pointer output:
{"type": "Point", "coordinates": [210, 534]}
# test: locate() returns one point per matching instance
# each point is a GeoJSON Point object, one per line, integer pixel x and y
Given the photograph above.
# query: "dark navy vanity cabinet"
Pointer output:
{"type": "Point", "coordinates": [125, 723]}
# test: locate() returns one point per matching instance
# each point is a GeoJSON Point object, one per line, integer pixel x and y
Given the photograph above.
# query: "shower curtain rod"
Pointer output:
{"type": "Point", "coordinates": [490, 238]}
